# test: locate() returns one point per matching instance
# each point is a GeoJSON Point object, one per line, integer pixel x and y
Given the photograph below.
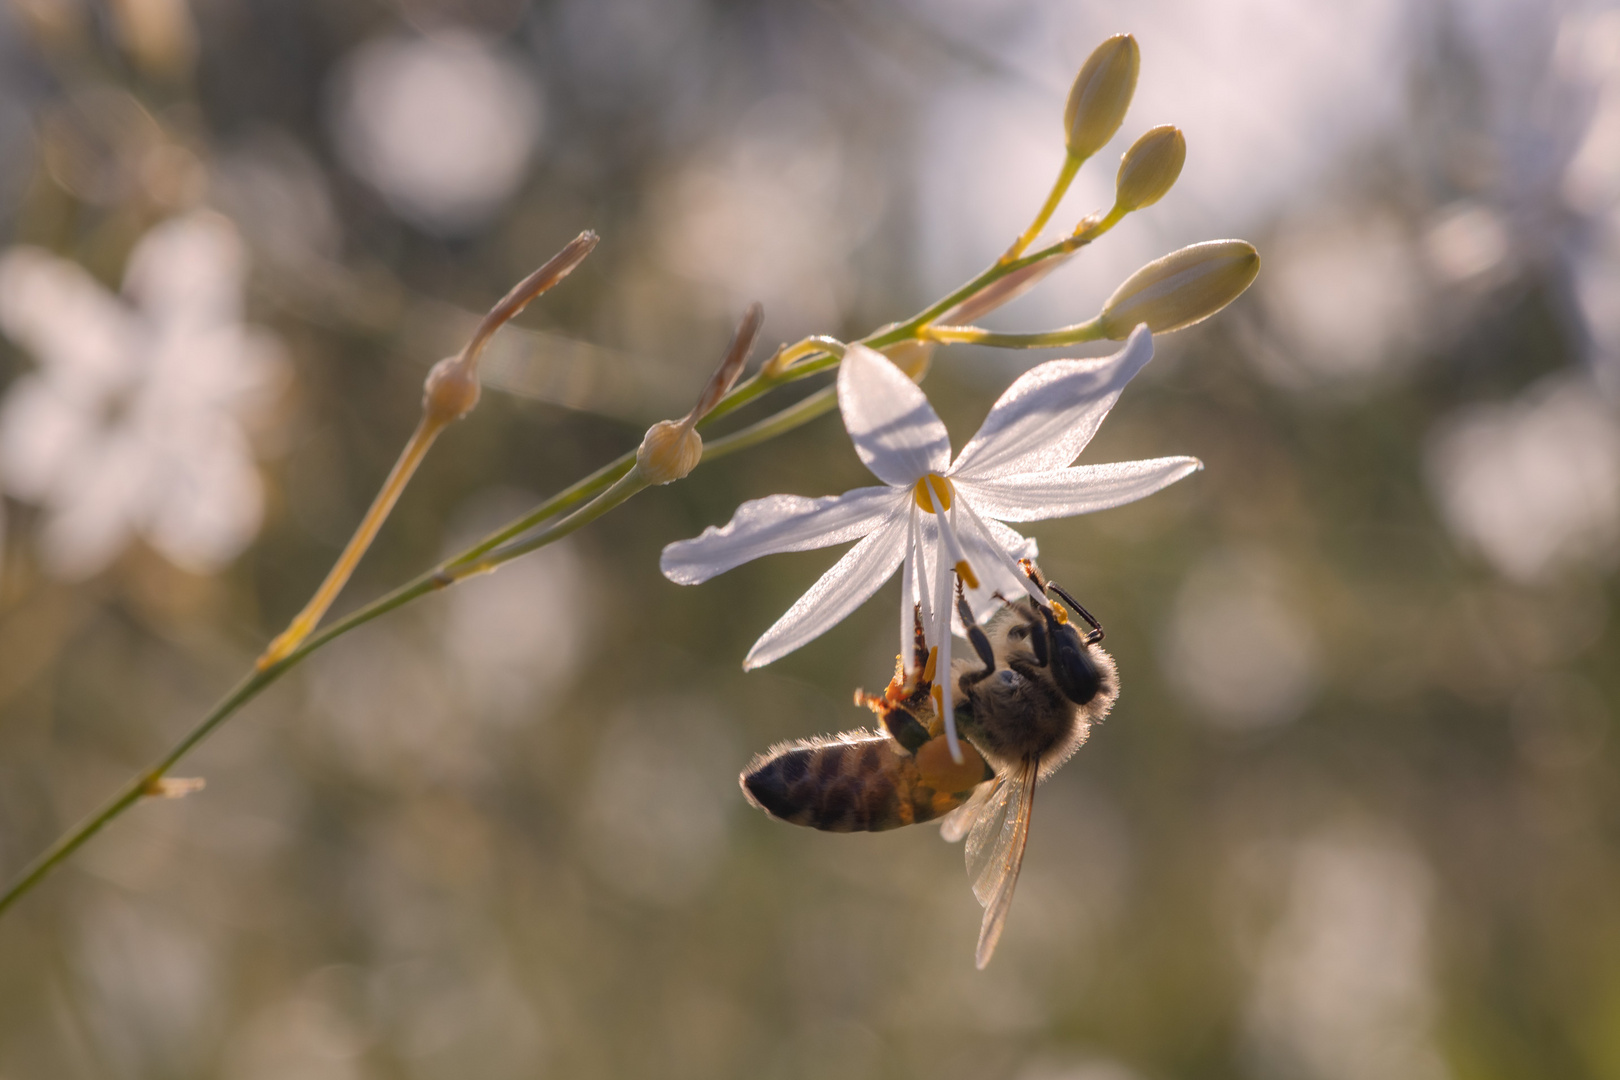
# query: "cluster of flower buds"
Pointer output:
{"type": "Point", "coordinates": [1167, 294]}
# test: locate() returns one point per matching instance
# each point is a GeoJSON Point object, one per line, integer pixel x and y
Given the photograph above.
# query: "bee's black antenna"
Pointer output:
{"type": "Point", "coordinates": [1096, 634]}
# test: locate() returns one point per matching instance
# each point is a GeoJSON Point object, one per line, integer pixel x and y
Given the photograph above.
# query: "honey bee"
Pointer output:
{"type": "Point", "coordinates": [1024, 708]}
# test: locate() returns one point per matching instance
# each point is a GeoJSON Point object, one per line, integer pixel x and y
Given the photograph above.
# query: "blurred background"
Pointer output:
{"type": "Point", "coordinates": [1356, 815]}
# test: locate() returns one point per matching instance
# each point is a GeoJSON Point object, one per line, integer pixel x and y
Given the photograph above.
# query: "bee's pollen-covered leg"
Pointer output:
{"type": "Point", "coordinates": [1096, 633]}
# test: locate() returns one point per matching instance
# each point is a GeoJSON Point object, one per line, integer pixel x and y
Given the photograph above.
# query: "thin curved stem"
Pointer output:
{"type": "Point", "coordinates": [421, 441]}
{"type": "Point", "coordinates": [971, 335]}
{"type": "Point", "coordinates": [1060, 187]}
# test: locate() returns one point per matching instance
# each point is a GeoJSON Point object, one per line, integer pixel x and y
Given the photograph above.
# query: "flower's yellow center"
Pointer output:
{"type": "Point", "coordinates": [942, 489]}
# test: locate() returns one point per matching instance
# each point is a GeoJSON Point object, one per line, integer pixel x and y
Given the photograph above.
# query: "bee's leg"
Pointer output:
{"type": "Point", "coordinates": [1096, 634]}
{"type": "Point", "coordinates": [1033, 572]}
{"type": "Point", "coordinates": [1038, 636]}
{"type": "Point", "coordinates": [919, 641]}
{"type": "Point", "coordinates": [979, 640]}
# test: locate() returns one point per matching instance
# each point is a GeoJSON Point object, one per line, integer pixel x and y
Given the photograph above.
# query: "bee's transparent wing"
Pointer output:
{"type": "Point", "coordinates": [995, 851]}
{"type": "Point", "coordinates": [955, 825]}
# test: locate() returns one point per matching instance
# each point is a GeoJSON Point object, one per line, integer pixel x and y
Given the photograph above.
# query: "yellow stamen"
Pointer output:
{"type": "Point", "coordinates": [965, 572]}
{"type": "Point", "coordinates": [928, 668]}
{"type": "Point", "coordinates": [938, 694]}
{"type": "Point", "coordinates": [942, 488]}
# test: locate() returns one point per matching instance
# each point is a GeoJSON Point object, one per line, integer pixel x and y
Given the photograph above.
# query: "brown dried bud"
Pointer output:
{"type": "Point", "coordinates": [451, 390]}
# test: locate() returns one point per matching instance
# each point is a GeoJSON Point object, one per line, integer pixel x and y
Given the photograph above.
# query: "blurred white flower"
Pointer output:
{"type": "Point", "coordinates": [1532, 483]}
{"type": "Point", "coordinates": [132, 423]}
{"type": "Point", "coordinates": [442, 127]}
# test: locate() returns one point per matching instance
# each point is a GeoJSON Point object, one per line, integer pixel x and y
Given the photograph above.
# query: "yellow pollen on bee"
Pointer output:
{"type": "Point", "coordinates": [928, 668]}
{"type": "Point", "coordinates": [942, 488]}
{"type": "Point", "coordinates": [1060, 613]}
{"type": "Point", "coordinates": [965, 572]}
{"type": "Point", "coordinates": [941, 773]}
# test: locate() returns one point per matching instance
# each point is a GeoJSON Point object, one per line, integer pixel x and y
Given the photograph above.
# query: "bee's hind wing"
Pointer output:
{"type": "Point", "coordinates": [957, 823]}
{"type": "Point", "coordinates": [995, 851]}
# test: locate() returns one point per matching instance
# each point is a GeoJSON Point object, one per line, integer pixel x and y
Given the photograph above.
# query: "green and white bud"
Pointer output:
{"type": "Point", "coordinates": [1183, 288]}
{"type": "Point", "coordinates": [1150, 167]}
{"type": "Point", "coordinates": [1101, 94]}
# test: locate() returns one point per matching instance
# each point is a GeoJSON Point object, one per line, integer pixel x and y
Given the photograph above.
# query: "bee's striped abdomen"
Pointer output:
{"type": "Point", "coordinates": [858, 781]}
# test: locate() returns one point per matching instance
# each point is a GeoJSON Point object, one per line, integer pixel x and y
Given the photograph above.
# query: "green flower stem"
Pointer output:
{"type": "Point", "coordinates": [143, 783]}
{"type": "Point", "coordinates": [446, 574]}
{"type": "Point", "coordinates": [606, 488]}
{"type": "Point", "coordinates": [1060, 187]}
{"type": "Point", "coordinates": [972, 335]}
{"type": "Point", "coordinates": [820, 403]}
{"type": "Point", "coordinates": [576, 493]}
{"type": "Point", "coordinates": [1089, 230]}
{"type": "Point", "coordinates": [622, 489]}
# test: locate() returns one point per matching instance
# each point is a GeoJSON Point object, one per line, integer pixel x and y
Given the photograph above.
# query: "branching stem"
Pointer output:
{"type": "Point", "coordinates": [600, 492]}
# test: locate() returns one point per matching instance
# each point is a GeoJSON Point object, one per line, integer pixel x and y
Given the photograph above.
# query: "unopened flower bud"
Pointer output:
{"type": "Point", "coordinates": [1184, 287]}
{"type": "Point", "coordinates": [451, 390]}
{"type": "Point", "coordinates": [1101, 94]}
{"type": "Point", "coordinates": [1150, 167]}
{"type": "Point", "coordinates": [668, 451]}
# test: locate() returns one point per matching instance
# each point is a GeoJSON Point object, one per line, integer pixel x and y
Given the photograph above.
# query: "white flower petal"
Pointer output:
{"type": "Point", "coordinates": [94, 509]}
{"type": "Point", "coordinates": [78, 332]}
{"type": "Point", "coordinates": [189, 270]}
{"type": "Point", "coordinates": [1049, 414]}
{"type": "Point", "coordinates": [208, 503]}
{"type": "Point", "coordinates": [1081, 489]}
{"type": "Point", "coordinates": [994, 575]}
{"type": "Point", "coordinates": [42, 433]}
{"type": "Point", "coordinates": [891, 423]}
{"type": "Point", "coordinates": [779, 523]}
{"type": "Point", "coordinates": [854, 578]}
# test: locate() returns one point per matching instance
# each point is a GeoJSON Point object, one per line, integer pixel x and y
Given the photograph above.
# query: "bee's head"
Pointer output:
{"type": "Point", "coordinates": [1056, 645]}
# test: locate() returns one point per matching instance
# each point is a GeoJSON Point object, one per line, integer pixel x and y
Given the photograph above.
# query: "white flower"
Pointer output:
{"type": "Point", "coordinates": [933, 513]}
{"type": "Point", "coordinates": [132, 422]}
